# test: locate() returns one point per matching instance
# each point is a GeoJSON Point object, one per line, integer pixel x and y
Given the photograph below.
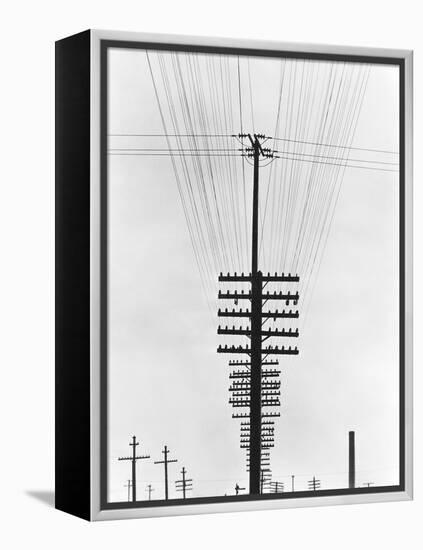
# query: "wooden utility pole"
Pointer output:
{"type": "Point", "coordinates": [166, 461]}
{"type": "Point", "coordinates": [150, 490]}
{"type": "Point", "coordinates": [276, 487]}
{"type": "Point", "coordinates": [256, 326]}
{"type": "Point", "coordinates": [238, 489]}
{"type": "Point", "coordinates": [293, 483]}
{"type": "Point", "coordinates": [351, 460]}
{"type": "Point", "coordinates": [133, 460]}
{"type": "Point", "coordinates": [265, 477]}
{"type": "Point", "coordinates": [314, 484]}
{"type": "Point", "coordinates": [128, 485]}
{"type": "Point", "coordinates": [254, 395]}
{"type": "Point", "coordinates": [183, 484]}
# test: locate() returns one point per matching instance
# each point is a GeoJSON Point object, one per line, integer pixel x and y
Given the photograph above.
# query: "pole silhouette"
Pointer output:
{"type": "Point", "coordinates": [351, 460]}
{"type": "Point", "coordinates": [276, 487]}
{"type": "Point", "coordinates": [150, 490]}
{"type": "Point", "coordinates": [184, 484]}
{"type": "Point", "coordinates": [314, 484]}
{"type": "Point", "coordinates": [128, 485]}
{"type": "Point", "coordinates": [166, 461]}
{"type": "Point", "coordinates": [238, 489]}
{"type": "Point", "coordinates": [255, 394]}
{"type": "Point", "coordinates": [133, 460]}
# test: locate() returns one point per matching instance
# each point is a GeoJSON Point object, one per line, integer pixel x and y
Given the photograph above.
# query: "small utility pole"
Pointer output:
{"type": "Point", "coordinates": [265, 477]}
{"type": "Point", "coordinates": [238, 489]}
{"type": "Point", "coordinates": [368, 483]}
{"type": "Point", "coordinates": [166, 461]}
{"type": "Point", "coordinates": [351, 460]}
{"type": "Point", "coordinates": [276, 487]}
{"type": "Point", "coordinates": [292, 483]}
{"type": "Point", "coordinates": [134, 459]}
{"type": "Point", "coordinates": [314, 484]}
{"type": "Point", "coordinates": [183, 484]}
{"type": "Point", "coordinates": [128, 485]}
{"type": "Point", "coordinates": [150, 490]}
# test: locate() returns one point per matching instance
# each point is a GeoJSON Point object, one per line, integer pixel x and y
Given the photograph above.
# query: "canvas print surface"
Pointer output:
{"type": "Point", "coordinates": [253, 244]}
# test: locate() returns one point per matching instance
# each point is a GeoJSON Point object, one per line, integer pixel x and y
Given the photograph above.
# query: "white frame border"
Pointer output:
{"type": "Point", "coordinates": [96, 512]}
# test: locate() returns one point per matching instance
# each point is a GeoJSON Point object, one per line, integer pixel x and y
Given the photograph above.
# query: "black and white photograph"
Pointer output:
{"type": "Point", "coordinates": [252, 248]}
{"type": "Point", "coordinates": [209, 284]}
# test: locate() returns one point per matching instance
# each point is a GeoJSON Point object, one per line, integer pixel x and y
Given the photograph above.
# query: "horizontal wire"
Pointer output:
{"type": "Point", "coordinates": [336, 146]}
{"type": "Point", "coordinates": [172, 135]}
{"type": "Point", "coordinates": [236, 150]}
{"type": "Point", "coordinates": [336, 164]}
{"type": "Point", "coordinates": [171, 149]}
{"type": "Point", "coordinates": [268, 137]}
{"type": "Point", "coordinates": [335, 158]}
{"type": "Point", "coordinates": [193, 154]}
{"type": "Point", "coordinates": [176, 154]}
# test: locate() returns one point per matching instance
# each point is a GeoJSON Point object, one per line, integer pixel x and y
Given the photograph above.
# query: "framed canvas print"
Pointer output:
{"type": "Point", "coordinates": [233, 275]}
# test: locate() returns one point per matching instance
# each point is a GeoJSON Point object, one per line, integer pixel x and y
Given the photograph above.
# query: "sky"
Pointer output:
{"type": "Point", "coordinates": [167, 384]}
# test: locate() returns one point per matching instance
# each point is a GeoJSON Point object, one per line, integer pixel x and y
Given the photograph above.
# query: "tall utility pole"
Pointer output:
{"type": "Point", "coordinates": [150, 490]}
{"type": "Point", "coordinates": [166, 461]}
{"type": "Point", "coordinates": [128, 485]}
{"type": "Point", "coordinates": [183, 484]}
{"type": "Point", "coordinates": [254, 398]}
{"type": "Point", "coordinates": [134, 459]}
{"type": "Point", "coordinates": [351, 460]}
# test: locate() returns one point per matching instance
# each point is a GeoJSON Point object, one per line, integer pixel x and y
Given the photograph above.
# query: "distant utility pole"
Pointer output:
{"type": "Point", "coordinates": [314, 484]}
{"type": "Point", "coordinates": [276, 487]}
{"type": "Point", "coordinates": [253, 396]}
{"type": "Point", "coordinates": [150, 489]}
{"type": "Point", "coordinates": [351, 460]}
{"type": "Point", "coordinates": [166, 461]}
{"type": "Point", "coordinates": [368, 483]}
{"type": "Point", "coordinates": [183, 484]}
{"type": "Point", "coordinates": [293, 483]}
{"type": "Point", "coordinates": [128, 485]}
{"type": "Point", "coordinates": [265, 477]}
{"type": "Point", "coordinates": [238, 489]}
{"type": "Point", "coordinates": [134, 459]}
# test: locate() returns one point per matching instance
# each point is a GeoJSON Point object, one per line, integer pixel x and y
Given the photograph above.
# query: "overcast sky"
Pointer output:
{"type": "Point", "coordinates": [167, 384]}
